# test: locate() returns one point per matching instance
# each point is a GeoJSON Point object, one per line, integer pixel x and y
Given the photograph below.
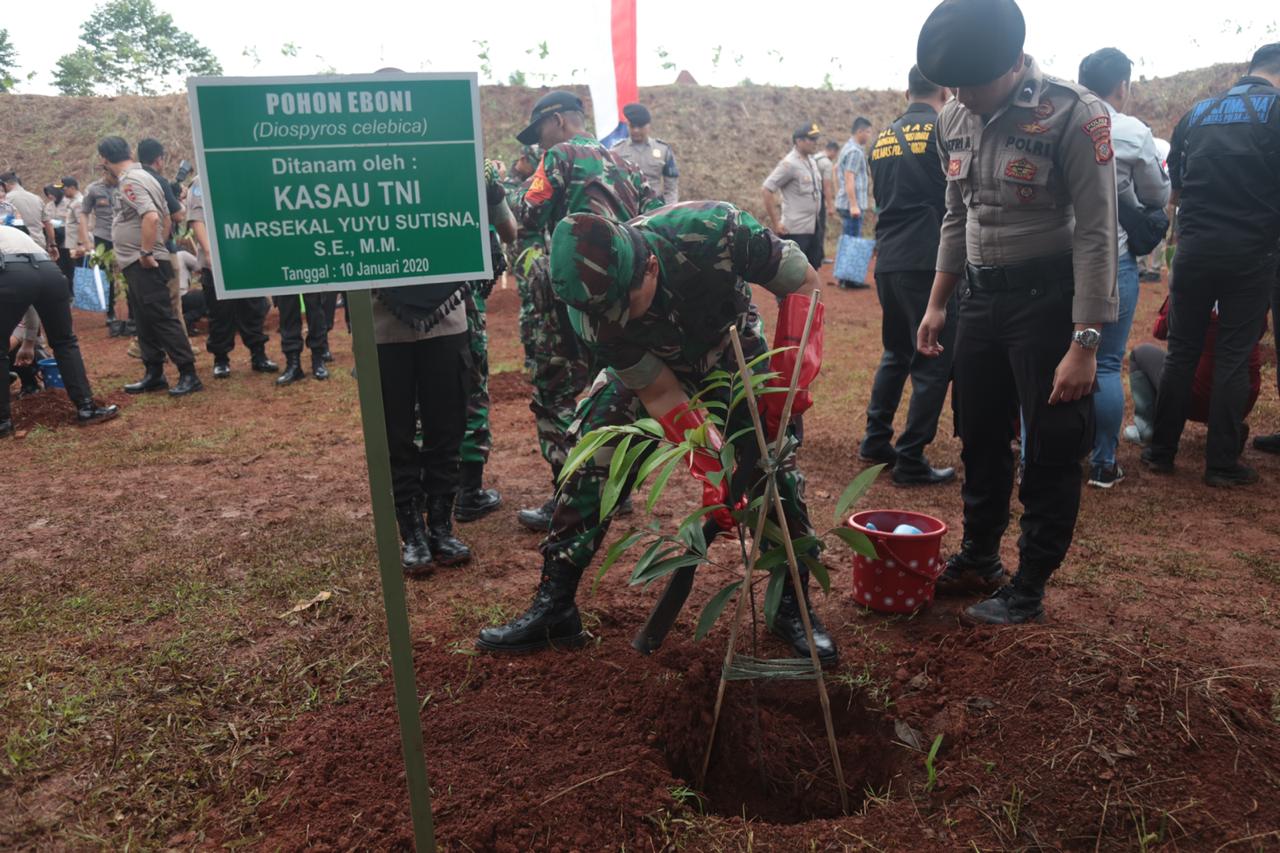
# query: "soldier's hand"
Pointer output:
{"type": "Point", "coordinates": [1074, 375]}
{"type": "Point", "coordinates": [935, 319]}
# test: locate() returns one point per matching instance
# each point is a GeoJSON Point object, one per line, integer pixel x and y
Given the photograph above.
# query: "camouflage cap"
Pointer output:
{"type": "Point", "coordinates": [595, 263]}
{"type": "Point", "coordinates": [532, 153]}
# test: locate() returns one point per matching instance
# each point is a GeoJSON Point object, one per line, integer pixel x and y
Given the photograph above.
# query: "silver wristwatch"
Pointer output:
{"type": "Point", "coordinates": [1087, 338]}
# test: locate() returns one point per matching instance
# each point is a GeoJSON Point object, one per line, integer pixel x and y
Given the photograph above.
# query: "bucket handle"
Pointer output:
{"type": "Point", "coordinates": [906, 566]}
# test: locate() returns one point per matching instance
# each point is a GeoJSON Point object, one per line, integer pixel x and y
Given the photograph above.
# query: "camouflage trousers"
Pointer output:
{"type": "Point", "coordinates": [556, 361]}
{"type": "Point", "coordinates": [577, 528]}
{"type": "Point", "coordinates": [477, 442]}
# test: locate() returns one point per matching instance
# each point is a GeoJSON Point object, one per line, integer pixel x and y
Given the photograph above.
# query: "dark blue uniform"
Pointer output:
{"type": "Point", "coordinates": [1225, 163]}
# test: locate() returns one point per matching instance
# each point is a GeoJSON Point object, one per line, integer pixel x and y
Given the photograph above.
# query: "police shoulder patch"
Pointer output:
{"type": "Point", "coordinates": [1097, 126]}
{"type": "Point", "coordinates": [1102, 151]}
{"type": "Point", "coordinates": [953, 168]}
{"type": "Point", "coordinates": [540, 188]}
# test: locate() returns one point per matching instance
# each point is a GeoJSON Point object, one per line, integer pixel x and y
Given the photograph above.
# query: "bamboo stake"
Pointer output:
{"type": "Point", "coordinates": [771, 493]}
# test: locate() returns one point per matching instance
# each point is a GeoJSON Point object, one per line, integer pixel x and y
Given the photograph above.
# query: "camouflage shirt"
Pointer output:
{"type": "Point", "coordinates": [582, 176]}
{"type": "Point", "coordinates": [526, 238]}
{"type": "Point", "coordinates": [707, 253]}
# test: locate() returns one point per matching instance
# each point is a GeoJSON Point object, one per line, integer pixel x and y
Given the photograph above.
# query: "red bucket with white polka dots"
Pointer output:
{"type": "Point", "coordinates": [901, 580]}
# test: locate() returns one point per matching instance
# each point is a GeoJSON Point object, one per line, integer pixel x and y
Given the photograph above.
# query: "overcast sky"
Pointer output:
{"type": "Point", "coordinates": [857, 44]}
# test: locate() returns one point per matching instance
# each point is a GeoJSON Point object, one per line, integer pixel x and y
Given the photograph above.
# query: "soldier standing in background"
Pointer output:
{"type": "Point", "coordinates": [653, 157]}
{"type": "Point", "coordinates": [576, 175]}
{"type": "Point", "coordinates": [1022, 153]}
{"type": "Point", "coordinates": [227, 316]}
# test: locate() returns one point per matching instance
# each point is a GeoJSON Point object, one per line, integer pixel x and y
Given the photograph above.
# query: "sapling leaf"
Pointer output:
{"type": "Point", "coordinates": [666, 566]}
{"type": "Point", "coordinates": [857, 540]}
{"type": "Point", "coordinates": [819, 570]}
{"type": "Point", "coordinates": [714, 608]}
{"type": "Point", "coordinates": [690, 532]}
{"type": "Point", "coordinates": [773, 595]}
{"type": "Point", "coordinates": [651, 426]}
{"type": "Point", "coordinates": [583, 452]}
{"type": "Point", "coordinates": [616, 550]}
{"type": "Point", "coordinates": [654, 552]}
{"type": "Point", "coordinates": [655, 461]}
{"type": "Point", "coordinates": [727, 456]}
{"type": "Point", "coordinates": [771, 559]}
{"type": "Point", "coordinates": [618, 472]}
{"type": "Point", "coordinates": [854, 491]}
{"type": "Point", "coordinates": [659, 484]}
{"type": "Point", "coordinates": [739, 434]}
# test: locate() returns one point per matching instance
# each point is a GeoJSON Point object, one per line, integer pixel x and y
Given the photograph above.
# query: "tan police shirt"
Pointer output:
{"type": "Point", "coordinates": [139, 194]}
{"type": "Point", "coordinates": [32, 209]}
{"type": "Point", "coordinates": [798, 179]}
{"type": "Point", "coordinates": [1037, 179]}
{"type": "Point", "coordinates": [195, 213]}
{"type": "Point", "coordinates": [657, 162]}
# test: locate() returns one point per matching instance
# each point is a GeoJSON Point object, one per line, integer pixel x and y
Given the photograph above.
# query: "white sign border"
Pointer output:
{"type": "Point", "coordinates": [195, 83]}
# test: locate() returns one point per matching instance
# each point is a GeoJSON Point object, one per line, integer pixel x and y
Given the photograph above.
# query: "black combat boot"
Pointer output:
{"type": "Point", "coordinates": [89, 412]}
{"type": "Point", "coordinates": [1018, 602]}
{"type": "Point", "coordinates": [318, 369]}
{"type": "Point", "coordinates": [551, 621]}
{"type": "Point", "coordinates": [292, 370]}
{"type": "Point", "coordinates": [538, 519]}
{"type": "Point", "coordinates": [221, 367]}
{"type": "Point", "coordinates": [446, 549]}
{"type": "Point", "coordinates": [788, 625]}
{"type": "Point", "coordinates": [474, 501]}
{"type": "Point", "coordinates": [6, 427]}
{"type": "Point", "coordinates": [152, 380]}
{"type": "Point", "coordinates": [414, 553]}
{"type": "Point", "coordinates": [261, 364]}
{"type": "Point", "coordinates": [188, 383]}
{"type": "Point", "coordinates": [973, 570]}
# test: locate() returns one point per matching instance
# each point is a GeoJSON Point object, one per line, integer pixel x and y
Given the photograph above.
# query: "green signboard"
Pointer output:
{"type": "Point", "coordinates": [344, 182]}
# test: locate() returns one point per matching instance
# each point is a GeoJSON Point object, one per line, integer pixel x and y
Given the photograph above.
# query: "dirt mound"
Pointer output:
{"type": "Point", "coordinates": [52, 409]}
{"type": "Point", "coordinates": [726, 140]}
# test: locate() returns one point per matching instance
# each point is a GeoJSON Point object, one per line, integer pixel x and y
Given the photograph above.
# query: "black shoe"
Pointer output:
{"type": "Point", "coordinates": [221, 368]}
{"type": "Point", "coordinates": [1156, 464]}
{"type": "Point", "coordinates": [551, 621]}
{"type": "Point", "coordinates": [538, 520]}
{"type": "Point", "coordinates": [318, 370]}
{"type": "Point", "coordinates": [293, 371]}
{"type": "Point", "coordinates": [474, 501]}
{"type": "Point", "coordinates": [188, 383]}
{"type": "Point", "coordinates": [327, 356]}
{"type": "Point", "coordinates": [1105, 476]}
{"type": "Point", "coordinates": [90, 413]}
{"type": "Point", "coordinates": [788, 625]}
{"type": "Point", "coordinates": [1008, 606]}
{"type": "Point", "coordinates": [887, 457]}
{"type": "Point", "coordinates": [1237, 475]}
{"type": "Point", "coordinates": [152, 380]}
{"type": "Point", "coordinates": [927, 476]}
{"type": "Point", "coordinates": [261, 364]}
{"type": "Point", "coordinates": [968, 572]}
{"type": "Point", "coordinates": [446, 549]}
{"type": "Point", "coordinates": [6, 428]}
{"type": "Point", "coordinates": [414, 553]}
{"type": "Point", "coordinates": [846, 284]}
{"type": "Point", "coordinates": [1267, 443]}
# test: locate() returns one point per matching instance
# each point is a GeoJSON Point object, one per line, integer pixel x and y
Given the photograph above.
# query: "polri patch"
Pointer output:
{"type": "Point", "coordinates": [1034, 128]}
{"type": "Point", "coordinates": [1045, 109]}
{"type": "Point", "coordinates": [1026, 194]}
{"type": "Point", "coordinates": [953, 168]}
{"type": "Point", "coordinates": [1021, 169]}
{"type": "Point", "coordinates": [1098, 126]}
{"type": "Point", "coordinates": [1102, 151]}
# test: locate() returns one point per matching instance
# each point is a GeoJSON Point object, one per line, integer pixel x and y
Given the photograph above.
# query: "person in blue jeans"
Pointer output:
{"type": "Point", "coordinates": [1141, 182]}
{"type": "Point", "coordinates": [852, 180]}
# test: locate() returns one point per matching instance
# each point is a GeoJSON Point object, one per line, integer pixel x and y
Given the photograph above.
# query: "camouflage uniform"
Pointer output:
{"type": "Point", "coordinates": [707, 252]}
{"type": "Point", "coordinates": [578, 176]}
{"type": "Point", "coordinates": [477, 442]}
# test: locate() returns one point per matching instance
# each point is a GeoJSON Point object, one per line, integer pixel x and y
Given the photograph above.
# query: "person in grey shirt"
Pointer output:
{"type": "Point", "coordinates": [649, 154]}
{"type": "Point", "coordinates": [798, 180]}
{"type": "Point", "coordinates": [35, 217]}
{"type": "Point", "coordinates": [853, 185]}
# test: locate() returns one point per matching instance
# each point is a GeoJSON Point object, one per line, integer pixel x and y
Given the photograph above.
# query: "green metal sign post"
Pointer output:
{"type": "Point", "coordinates": [349, 183]}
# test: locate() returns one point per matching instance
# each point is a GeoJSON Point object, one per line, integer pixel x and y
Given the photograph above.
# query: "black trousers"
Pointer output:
{"type": "Point", "coordinates": [811, 245]}
{"type": "Point", "coordinates": [427, 379]}
{"type": "Point", "coordinates": [1275, 320]}
{"type": "Point", "coordinates": [160, 332]}
{"type": "Point", "coordinates": [291, 323]}
{"type": "Point", "coordinates": [1241, 296]}
{"type": "Point", "coordinates": [1008, 345]}
{"type": "Point", "coordinates": [228, 316]}
{"type": "Point", "coordinates": [42, 284]}
{"type": "Point", "coordinates": [111, 283]}
{"type": "Point", "coordinates": [904, 296]}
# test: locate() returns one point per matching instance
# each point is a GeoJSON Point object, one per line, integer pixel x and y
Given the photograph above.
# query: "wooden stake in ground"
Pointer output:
{"type": "Point", "coordinates": [772, 496]}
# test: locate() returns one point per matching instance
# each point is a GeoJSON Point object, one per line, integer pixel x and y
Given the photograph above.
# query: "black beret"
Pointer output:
{"type": "Point", "coordinates": [549, 104]}
{"type": "Point", "coordinates": [970, 42]}
{"type": "Point", "coordinates": [637, 114]}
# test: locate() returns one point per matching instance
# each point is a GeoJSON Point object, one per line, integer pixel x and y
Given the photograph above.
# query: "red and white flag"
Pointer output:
{"type": "Point", "coordinates": [612, 72]}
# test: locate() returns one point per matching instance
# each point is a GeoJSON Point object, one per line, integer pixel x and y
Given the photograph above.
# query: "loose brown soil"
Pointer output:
{"type": "Point", "coordinates": [1144, 715]}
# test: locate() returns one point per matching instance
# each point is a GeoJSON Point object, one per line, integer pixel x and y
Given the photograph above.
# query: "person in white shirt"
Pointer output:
{"type": "Point", "coordinates": [1141, 182]}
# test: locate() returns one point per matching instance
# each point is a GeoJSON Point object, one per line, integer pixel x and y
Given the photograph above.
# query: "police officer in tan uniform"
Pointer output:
{"type": "Point", "coordinates": [649, 154]}
{"type": "Point", "coordinates": [1029, 238]}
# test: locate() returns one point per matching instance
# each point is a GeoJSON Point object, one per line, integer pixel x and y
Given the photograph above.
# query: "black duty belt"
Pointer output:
{"type": "Point", "coordinates": [1023, 276]}
{"type": "Point", "coordinates": [32, 258]}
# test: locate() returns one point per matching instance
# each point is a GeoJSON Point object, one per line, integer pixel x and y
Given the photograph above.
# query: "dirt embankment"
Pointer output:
{"type": "Point", "coordinates": [726, 140]}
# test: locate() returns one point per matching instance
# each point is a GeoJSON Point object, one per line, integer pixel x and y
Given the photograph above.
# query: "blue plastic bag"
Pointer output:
{"type": "Point", "coordinates": [853, 258]}
{"type": "Point", "coordinates": [90, 284]}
